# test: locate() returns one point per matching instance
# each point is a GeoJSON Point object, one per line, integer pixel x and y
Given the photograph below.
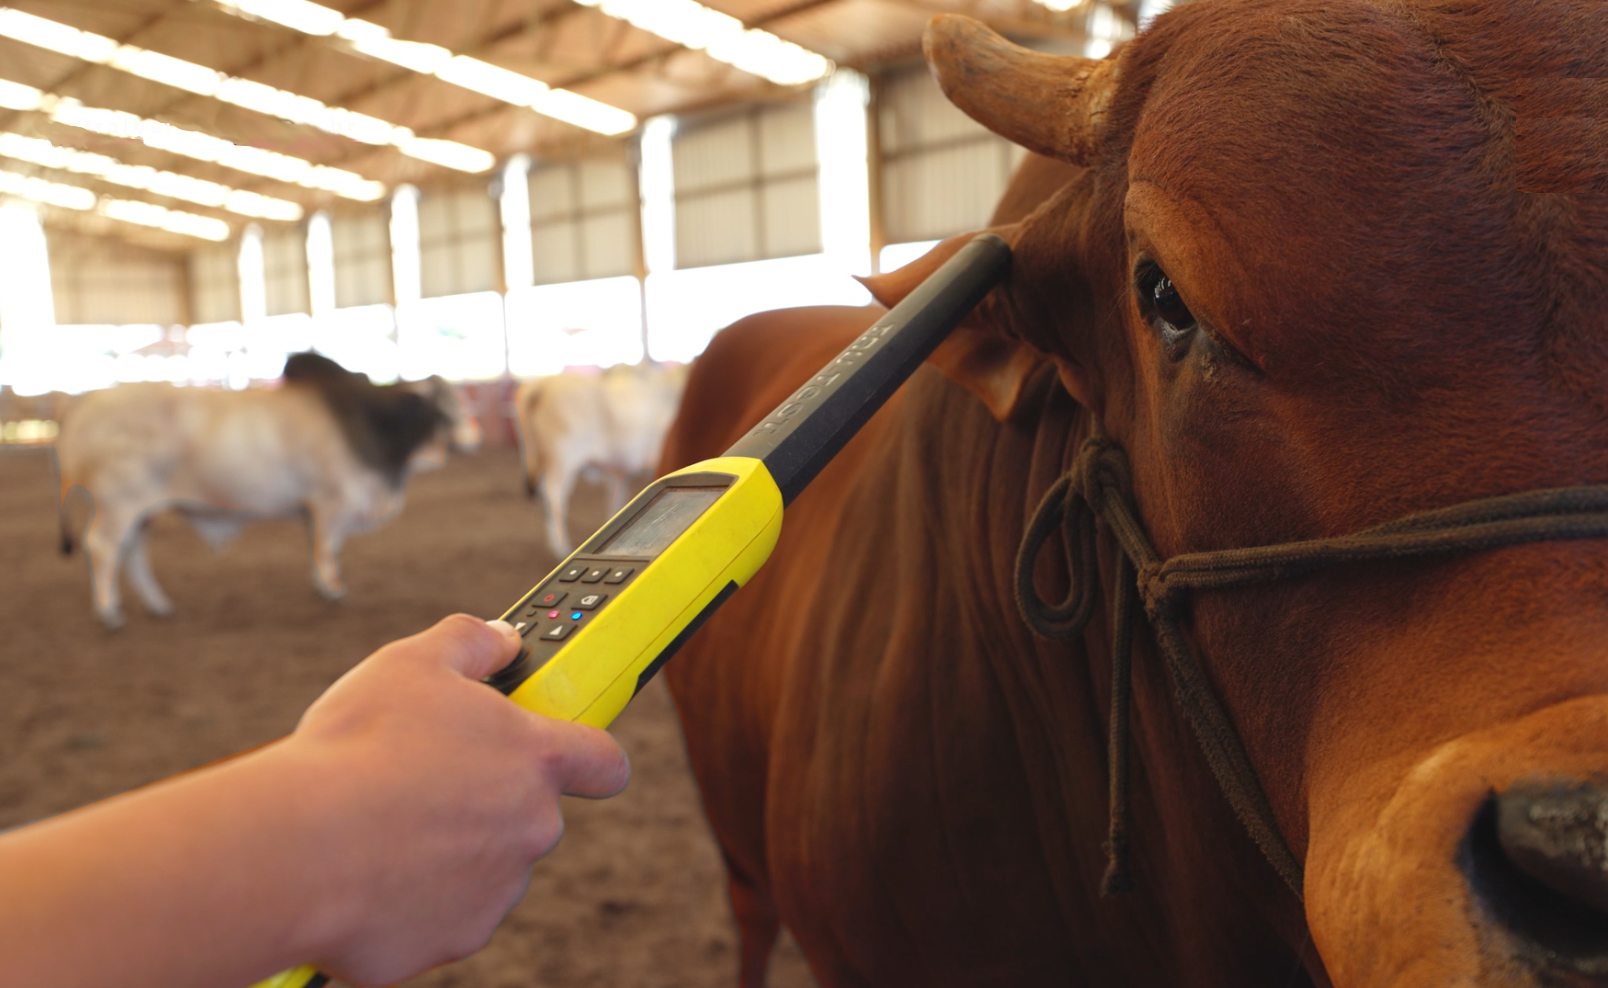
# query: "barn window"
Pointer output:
{"type": "Point", "coordinates": [458, 242]}
{"type": "Point", "coordinates": [941, 172]}
{"type": "Point", "coordinates": [583, 220]}
{"type": "Point", "coordinates": [215, 283]}
{"type": "Point", "coordinates": [362, 244]}
{"type": "Point", "coordinates": [746, 186]}
{"type": "Point", "coordinates": [284, 270]}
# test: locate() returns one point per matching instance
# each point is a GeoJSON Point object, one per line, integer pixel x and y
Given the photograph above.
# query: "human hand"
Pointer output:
{"type": "Point", "coordinates": [435, 795]}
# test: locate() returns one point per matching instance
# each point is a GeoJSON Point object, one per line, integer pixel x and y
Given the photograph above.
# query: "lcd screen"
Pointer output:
{"type": "Point", "coordinates": [665, 518]}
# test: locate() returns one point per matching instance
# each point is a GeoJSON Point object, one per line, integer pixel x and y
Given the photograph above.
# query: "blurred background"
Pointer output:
{"type": "Point", "coordinates": [476, 188]}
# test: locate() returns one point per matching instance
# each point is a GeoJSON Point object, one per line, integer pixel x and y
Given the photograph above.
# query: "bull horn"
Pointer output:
{"type": "Point", "coordinates": [1052, 104]}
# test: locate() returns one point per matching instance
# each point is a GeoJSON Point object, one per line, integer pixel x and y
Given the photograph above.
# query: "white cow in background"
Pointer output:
{"type": "Point", "coordinates": [328, 444]}
{"type": "Point", "coordinates": [614, 422]}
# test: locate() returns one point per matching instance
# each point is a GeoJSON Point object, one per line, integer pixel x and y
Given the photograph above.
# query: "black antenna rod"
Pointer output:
{"type": "Point", "coordinates": [803, 433]}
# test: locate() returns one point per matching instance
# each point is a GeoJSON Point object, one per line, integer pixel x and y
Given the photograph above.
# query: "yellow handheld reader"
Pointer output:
{"type": "Point", "coordinates": [609, 617]}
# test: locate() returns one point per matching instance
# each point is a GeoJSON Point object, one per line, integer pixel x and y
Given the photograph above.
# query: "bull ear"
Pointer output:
{"type": "Point", "coordinates": [980, 359]}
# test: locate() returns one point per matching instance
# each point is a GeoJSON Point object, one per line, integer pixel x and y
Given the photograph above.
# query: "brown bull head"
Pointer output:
{"type": "Point", "coordinates": [1306, 281]}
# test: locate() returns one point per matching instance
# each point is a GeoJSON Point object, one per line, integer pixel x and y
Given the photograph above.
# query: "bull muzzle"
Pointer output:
{"type": "Point", "coordinates": [1556, 831]}
{"type": "Point", "coordinates": [1537, 863]}
{"type": "Point", "coordinates": [1485, 865]}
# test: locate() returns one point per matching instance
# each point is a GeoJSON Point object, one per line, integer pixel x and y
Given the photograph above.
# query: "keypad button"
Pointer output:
{"type": "Point", "coordinates": [573, 573]}
{"type": "Point", "coordinates": [557, 632]}
{"type": "Point", "coordinates": [547, 598]}
{"type": "Point", "coordinates": [522, 627]}
{"type": "Point", "coordinates": [618, 575]}
{"type": "Point", "coordinates": [594, 575]}
{"type": "Point", "coordinates": [589, 601]}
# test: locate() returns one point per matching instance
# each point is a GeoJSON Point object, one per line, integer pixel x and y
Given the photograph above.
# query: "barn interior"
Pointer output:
{"type": "Point", "coordinates": [491, 191]}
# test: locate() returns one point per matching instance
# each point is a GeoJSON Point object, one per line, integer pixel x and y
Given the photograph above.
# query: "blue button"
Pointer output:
{"type": "Point", "coordinates": [577, 616]}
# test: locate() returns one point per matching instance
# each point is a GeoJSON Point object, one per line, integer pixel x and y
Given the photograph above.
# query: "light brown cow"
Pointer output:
{"type": "Point", "coordinates": [328, 443]}
{"type": "Point", "coordinates": [1326, 264]}
{"type": "Point", "coordinates": [613, 422]}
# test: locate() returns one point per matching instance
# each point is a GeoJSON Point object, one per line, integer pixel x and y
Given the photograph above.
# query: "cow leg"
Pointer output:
{"type": "Point", "coordinates": [328, 536]}
{"type": "Point", "coordinates": [757, 927]}
{"type": "Point", "coordinates": [616, 484]}
{"type": "Point", "coordinates": [104, 543]}
{"type": "Point", "coordinates": [139, 573]}
{"type": "Point", "coordinates": [557, 485]}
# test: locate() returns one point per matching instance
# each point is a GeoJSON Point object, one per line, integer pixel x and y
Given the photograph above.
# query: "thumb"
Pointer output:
{"type": "Point", "coordinates": [467, 645]}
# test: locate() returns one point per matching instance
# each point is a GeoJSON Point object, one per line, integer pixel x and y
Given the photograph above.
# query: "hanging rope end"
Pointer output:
{"type": "Point", "coordinates": [1117, 879]}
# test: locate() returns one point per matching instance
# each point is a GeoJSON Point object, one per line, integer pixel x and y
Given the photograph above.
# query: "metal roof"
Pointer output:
{"type": "Point", "coordinates": [561, 43]}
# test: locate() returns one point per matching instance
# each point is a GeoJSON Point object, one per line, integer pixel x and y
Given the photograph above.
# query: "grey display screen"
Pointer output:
{"type": "Point", "coordinates": [666, 517]}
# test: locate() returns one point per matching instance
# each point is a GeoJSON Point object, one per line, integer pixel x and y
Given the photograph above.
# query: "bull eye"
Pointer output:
{"type": "Point", "coordinates": [1160, 301]}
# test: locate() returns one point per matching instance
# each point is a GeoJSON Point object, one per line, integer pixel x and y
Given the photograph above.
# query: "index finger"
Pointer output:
{"type": "Point", "coordinates": [583, 760]}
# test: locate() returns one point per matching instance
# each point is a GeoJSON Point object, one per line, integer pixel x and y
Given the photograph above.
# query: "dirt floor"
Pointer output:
{"type": "Point", "coordinates": [634, 895]}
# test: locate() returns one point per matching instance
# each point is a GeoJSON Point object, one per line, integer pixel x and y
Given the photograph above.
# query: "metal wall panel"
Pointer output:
{"type": "Point", "coordinates": [786, 138]}
{"type": "Point", "coordinates": [362, 241]}
{"type": "Point", "coordinates": [746, 186]}
{"type": "Point", "coordinates": [459, 242]}
{"type": "Point", "coordinates": [555, 258]}
{"type": "Point", "coordinates": [714, 154]}
{"type": "Point", "coordinates": [605, 183]}
{"type": "Point", "coordinates": [284, 270]}
{"type": "Point", "coordinates": [101, 281]}
{"type": "Point", "coordinates": [942, 172]}
{"type": "Point", "coordinates": [717, 228]}
{"type": "Point", "coordinates": [583, 220]}
{"type": "Point", "coordinates": [792, 211]}
{"type": "Point", "coordinates": [215, 283]}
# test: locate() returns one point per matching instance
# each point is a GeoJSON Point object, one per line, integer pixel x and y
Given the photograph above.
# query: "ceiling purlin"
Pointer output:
{"type": "Point", "coordinates": [169, 161]}
{"type": "Point", "coordinates": [80, 68]}
{"type": "Point", "coordinates": [295, 43]}
{"type": "Point", "coordinates": [579, 78]}
{"type": "Point", "coordinates": [41, 126]}
{"type": "Point", "coordinates": [107, 189]}
{"type": "Point", "coordinates": [112, 190]}
{"type": "Point", "coordinates": [95, 225]}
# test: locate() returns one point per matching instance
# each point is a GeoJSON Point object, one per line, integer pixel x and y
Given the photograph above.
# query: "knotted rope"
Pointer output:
{"type": "Point", "coordinates": [1099, 487]}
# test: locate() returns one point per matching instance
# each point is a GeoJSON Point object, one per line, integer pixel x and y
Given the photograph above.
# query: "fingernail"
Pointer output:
{"type": "Point", "coordinates": [503, 628]}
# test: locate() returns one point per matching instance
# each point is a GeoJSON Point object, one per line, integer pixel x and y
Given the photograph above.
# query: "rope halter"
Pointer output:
{"type": "Point", "coordinates": [1099, 489]}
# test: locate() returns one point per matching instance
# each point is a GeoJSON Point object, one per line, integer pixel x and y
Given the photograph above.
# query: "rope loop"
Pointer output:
{"type": "Point", "coordinates": [1061, 507]}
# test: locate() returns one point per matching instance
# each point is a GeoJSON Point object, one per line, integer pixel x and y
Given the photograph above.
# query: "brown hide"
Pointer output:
{"type": "Point", "coordinates": [1392, 310]}
{"type": "Point", "coordinates": [893, 761]}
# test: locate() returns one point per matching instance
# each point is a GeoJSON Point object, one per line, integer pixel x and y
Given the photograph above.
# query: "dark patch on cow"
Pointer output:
{"type": "Point", "coordinates": [384, 424]}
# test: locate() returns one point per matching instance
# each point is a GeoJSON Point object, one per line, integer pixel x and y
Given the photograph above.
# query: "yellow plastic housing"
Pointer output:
{"type": "Point", "coordinates": [294, 978]}
{"type": "Point", "coordinates": [594, 675]}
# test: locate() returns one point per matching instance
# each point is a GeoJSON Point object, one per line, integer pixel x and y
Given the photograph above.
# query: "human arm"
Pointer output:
{"type": "Point", "coordinates": [388, 834]}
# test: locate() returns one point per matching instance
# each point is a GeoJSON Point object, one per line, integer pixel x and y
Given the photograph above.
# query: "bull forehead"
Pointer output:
{"type": "Point", "coordinates": [1330, 163]}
